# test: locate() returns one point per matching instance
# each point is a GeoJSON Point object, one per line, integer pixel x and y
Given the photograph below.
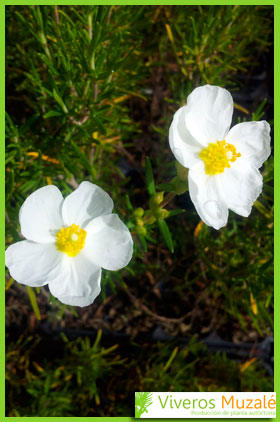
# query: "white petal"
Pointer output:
{"type": "Point", "coordinates": [78, 283]}
{"type": "Point", "coordinates": [85, 203]}
{"type": "Point", "coordinates": [182, 144]}
{"type": "Point", "coordinates": [209, 113]}
{"type": "Point", "coordinates": [108, 242]}
{"type": "Point", "coordinates": [40, 214]}
{"type": "Point", "coordinates": [252, 140]}
{"type": "Point", "coordinates": [241, 184]}
{"type": "Point", "coordinates": [33, 264]}
{"type": "Point", "coordinates": [208, 201]}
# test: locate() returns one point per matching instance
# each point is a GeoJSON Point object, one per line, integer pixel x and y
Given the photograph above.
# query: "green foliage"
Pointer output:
{"type": "Point", "coordinates": [194, 369]}
{"type": "Point", "coordinates": [60, 388]}
{"type": "Point", "coordinates": [90, 380]}
{"type": "Point", "coordinates": [76, 66]}
{"type": "Point", "coordinates": [165, 232]}
{"type": "Point", "coordinates": [211, 44]}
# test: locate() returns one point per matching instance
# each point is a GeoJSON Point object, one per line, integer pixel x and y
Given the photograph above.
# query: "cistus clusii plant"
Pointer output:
{"type": "Point", "coordinates": [68, 241]}
{"type": "Point", "coordinates": [139, 204]}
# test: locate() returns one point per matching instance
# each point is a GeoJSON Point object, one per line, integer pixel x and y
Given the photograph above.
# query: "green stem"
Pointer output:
{"type": "Point", "coordinates": [167, 199]}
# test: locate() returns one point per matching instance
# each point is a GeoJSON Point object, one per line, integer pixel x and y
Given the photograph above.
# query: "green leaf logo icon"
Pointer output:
{"type": "Point", "coordinates": [142, 401]}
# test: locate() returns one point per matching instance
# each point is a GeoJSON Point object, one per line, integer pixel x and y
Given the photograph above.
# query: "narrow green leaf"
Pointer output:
{"type": "Point", "coordinates": [100, 125]}
{"type": "Point", "coordinates": [62, 310]}
{"type": "Point", "coordinates": [259, 112]}
{"type": "Point", "coordinates": [52, 113]}
{"type": "Point", "coordinates": [176, 212]}
{"type": "Point", "coordinates": [134, 94]}
{"type": "Point", "coordinates": [149, 178]}
{"type": "Point", "coordinates": [163, 227]}
{"type": "Point", "coordinates": [59, 101]}
{"type": "Point", "coordinates": [95, 39]}
{"type": "Point", "coordinates": [170, 360]}
{"type": "Point", "coordinates": [128, 202]}
{"type": "Point", "coordinates": [265, 315]}
{"type": "Point", "coordinates": [74, 312]}
{"type": "Point", "coordinates": [97, 339]}
{"type": "Point", "coordinates": [112, 285]}
{"type": "Point", "coordinates": [82, 156]}
{"type": "Point", "coordinates": [47, 385]}
{"type": "Point", "coordinates": [150, 239]}
{"type": "Point", "coordinates": [9, 183]}
{"type": "Point", "coordinates": [64, 338]}
{"type": "Point", "coordinates": [9, 120]}
{"type": "Point", "coordinates": [143, 242]}
{"type": "Point", "coordinates": [167, 187]}
{"type": "Point", "coordinates": [33, 302]}
{"type": "Point", "coordinates": [9, 283]}
{"type": "Point", "coordinates": [255, 323]}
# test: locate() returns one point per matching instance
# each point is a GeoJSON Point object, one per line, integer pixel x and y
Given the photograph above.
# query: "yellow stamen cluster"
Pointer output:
{"type": "Point", "coordinates": [70, 240]}
{"type": "Point", "coordinates": [217, 156]}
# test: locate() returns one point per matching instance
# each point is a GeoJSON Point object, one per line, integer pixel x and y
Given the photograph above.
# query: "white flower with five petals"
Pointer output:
{"type": "Point", "coordinates": [68, 242]}
{"type": "Point", "coordinates": [223, 164]}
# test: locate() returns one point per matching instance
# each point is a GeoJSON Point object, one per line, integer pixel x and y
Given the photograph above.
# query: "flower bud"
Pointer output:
{"type": "Point", "coordinates": [163, 213]}
{"type": "Point", "coordinates": [155, 201]}
{"type": "Point", "coordinates": [139, 222]}
{"type": "Point", "coordinates": [138, 212]}
{"type": "Point", "coordinates": [158, 198]}
{"type": "Point", "coordinates": [141, 231]}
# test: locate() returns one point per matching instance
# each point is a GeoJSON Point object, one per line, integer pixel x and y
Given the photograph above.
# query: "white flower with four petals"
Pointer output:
{"type": "Point", "coordinates": [223, 164]}
{"type": "Point", "coordinates": [68, 242]}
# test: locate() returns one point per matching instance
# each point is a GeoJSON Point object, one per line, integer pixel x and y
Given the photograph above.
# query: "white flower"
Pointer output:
{"type": "Point", "coordinates": [223, 164]}
{"type": "Point", "coordinates": [68, 242]}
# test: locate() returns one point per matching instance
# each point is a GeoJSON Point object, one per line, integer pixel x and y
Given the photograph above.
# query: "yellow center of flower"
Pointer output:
{"type": "Point", "coordinates": [217, 156]}
{"type": "Point", "coordinates": [70, 240]}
